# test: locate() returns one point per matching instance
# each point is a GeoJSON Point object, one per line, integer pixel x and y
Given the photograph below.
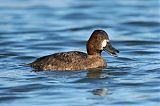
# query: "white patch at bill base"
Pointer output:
{"type": "Point", "coordinates": [104, 43]}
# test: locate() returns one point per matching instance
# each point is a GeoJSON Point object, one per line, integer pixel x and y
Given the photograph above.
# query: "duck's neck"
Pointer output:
{"type": "Point", "coordinates": [91, 47]}
{"type": "Point", "coordinates": [94, 52]}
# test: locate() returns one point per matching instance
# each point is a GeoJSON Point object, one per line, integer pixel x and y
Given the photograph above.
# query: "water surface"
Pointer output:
{"type": "Point", "coordinates": [32, 28]}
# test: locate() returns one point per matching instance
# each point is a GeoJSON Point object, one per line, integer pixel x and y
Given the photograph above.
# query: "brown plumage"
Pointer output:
{"type": "Point", "coordinates": [75, 60]}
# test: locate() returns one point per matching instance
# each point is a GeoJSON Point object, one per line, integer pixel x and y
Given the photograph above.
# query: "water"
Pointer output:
{"type": "Point", "coordinates": [33, 28]}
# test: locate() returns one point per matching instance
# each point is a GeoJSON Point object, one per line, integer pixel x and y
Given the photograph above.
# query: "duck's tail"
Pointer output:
{"type": "Point", "coordinates": [26, 65]}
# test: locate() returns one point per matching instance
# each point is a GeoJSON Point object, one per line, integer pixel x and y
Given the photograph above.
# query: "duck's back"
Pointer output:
{"type": "Point", "coordinates": [60, 61]}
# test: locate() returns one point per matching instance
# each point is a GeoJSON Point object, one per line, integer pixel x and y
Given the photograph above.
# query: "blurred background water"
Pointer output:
{"type": "Point", "coordinates": [33, 28]}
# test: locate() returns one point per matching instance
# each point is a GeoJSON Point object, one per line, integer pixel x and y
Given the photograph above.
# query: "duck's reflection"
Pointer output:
{"type": "Point", "coordinates": [93, 73]}
{"type": "Point", "coordinates": [99, 91]}
{"type": "Point", "coordinates": [96, 73]}
{"type": "Point", "coordinates": [89, 76]}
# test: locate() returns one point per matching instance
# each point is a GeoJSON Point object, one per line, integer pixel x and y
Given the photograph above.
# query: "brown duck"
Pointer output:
{"type": "Point", "coordinates": [75, 60]}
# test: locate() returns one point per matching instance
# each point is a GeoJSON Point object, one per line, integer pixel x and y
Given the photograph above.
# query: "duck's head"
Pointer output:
{"type": "Point", "coordinates": [98, 42]}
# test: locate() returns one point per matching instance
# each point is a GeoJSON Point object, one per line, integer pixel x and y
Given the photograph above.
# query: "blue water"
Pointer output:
{"type": "Point", "coordinates": [33, 28]}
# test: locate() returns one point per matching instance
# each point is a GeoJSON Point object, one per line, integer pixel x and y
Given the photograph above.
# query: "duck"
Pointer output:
{"type": "Point", "coordinates": [76, 60]}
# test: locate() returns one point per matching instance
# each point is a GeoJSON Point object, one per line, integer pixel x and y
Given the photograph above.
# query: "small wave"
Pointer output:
{"type": "Point", "coordinates": [143, 23]}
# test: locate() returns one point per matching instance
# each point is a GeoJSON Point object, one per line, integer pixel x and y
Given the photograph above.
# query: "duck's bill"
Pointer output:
{"type": "Point", "coordinates": [110, 50]}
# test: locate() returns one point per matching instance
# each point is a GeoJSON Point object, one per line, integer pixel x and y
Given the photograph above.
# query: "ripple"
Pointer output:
{"type": "Point", "coordinates": [26, 32]}
{"type": "Point", "coordinates": [89, 27]}
{"type": "Point", "coordinates": [10, 98]}
{"type": "Point", "coordinates": [138, 42]}
{"type": "Point", "coordinates": [25, 57]}
{"type": "Point", "coordinates": [125, 59]}
{"type": "Point", "coordinates": [142, 52]}
{"type": "Point", "coordinates": [78, 16]}
{"type": "Point", "coordinates": [11, 54]}
{"type": "Point", "coordinates": [125, 103]}
{"type": "Point", "coordinates": [143, 23]}
{"type": "Point", "coordinates": [27, 88]}
{"type": "Point", "coordinates": [153, 70]}
{"type": "Point", "coordinates": [131, 84]}
{"type": "Point", "coordinates": [32, 28]}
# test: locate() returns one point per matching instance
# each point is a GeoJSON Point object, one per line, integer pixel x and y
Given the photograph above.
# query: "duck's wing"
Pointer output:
{"type": "Point", "coordinates": [58, 58]}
